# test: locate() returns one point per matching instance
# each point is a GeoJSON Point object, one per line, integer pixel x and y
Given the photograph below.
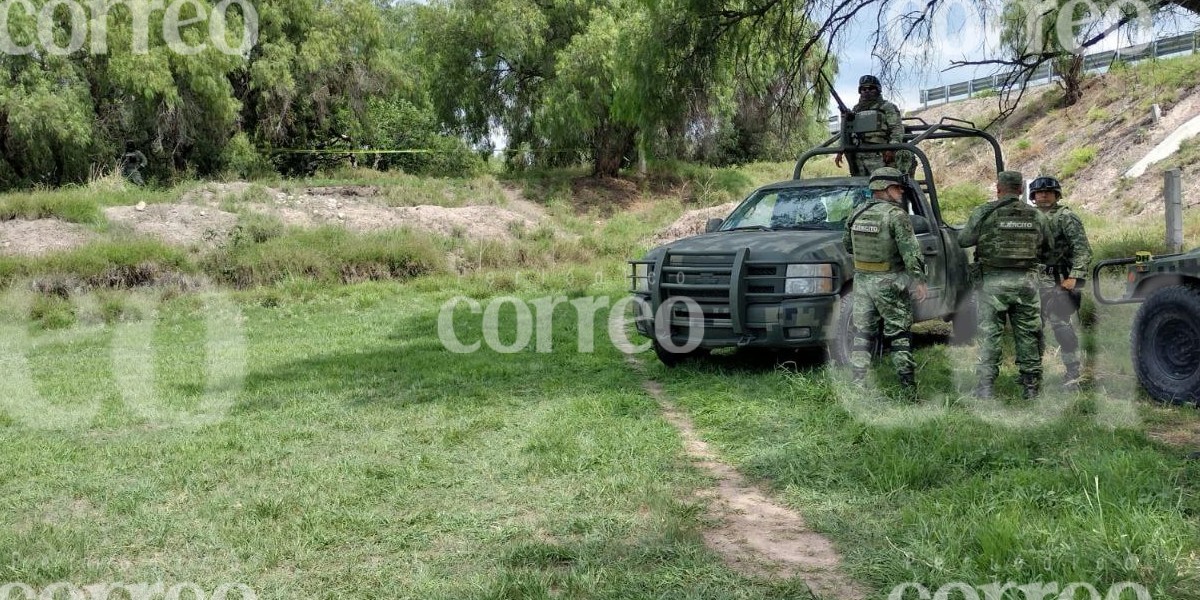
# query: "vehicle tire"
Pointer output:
{"type": "Point", "coordinates": [838, 348]}
{"type": "Point", "coordinates": [1165, 343]}
{"type": "Point", "coordinates": [965, 321]}
{"type": "Point", "coordinates": [670, 359]}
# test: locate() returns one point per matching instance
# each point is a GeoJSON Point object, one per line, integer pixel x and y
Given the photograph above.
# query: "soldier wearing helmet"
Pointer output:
{"type": "Point", "coordinates": [1064, 273]}
{"type": "Point", "coordinates": [887, 260]}
{"type": "Point", "coordinates": [892, 132]}
{"type": "Point", "coordinates": [1012, 241]}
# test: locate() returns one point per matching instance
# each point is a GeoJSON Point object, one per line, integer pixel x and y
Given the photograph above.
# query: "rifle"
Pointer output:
{"type": "Point", "coordinates": [847, 114]}
{"type": "Point", "coordinates": [1059, 301]}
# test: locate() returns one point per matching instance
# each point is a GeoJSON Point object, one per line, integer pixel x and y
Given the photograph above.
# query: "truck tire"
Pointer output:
{"type": "Point", "coordinates": [1165, 343]}
{"type": "Point", "coordinates": [670, 359]}
{"type": "Point", "coordinates": [965, 321]}
{"type": "Point", "coordinates": [838, 348]}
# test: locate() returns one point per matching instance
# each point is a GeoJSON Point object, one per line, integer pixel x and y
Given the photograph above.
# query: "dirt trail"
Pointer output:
{"type": "Point", "coordinates": [758, 536]}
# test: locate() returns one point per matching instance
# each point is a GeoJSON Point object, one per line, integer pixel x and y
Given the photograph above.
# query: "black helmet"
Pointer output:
{"type": "Point", "coordinates": [869, 80]}
{"type": "Point", "coordinates": [1042, 184]}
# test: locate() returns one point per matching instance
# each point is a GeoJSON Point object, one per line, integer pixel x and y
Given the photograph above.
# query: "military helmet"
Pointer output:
{"type": "Point", "coordinates": [869, 80]}
{"type": "Point", "coordinates": [1042, 184]}
{"type": "Point", "coordinates": [884, 177]}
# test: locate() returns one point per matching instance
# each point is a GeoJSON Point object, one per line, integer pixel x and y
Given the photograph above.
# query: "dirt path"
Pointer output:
{"type": "Point", "coordinates": [757, 536]}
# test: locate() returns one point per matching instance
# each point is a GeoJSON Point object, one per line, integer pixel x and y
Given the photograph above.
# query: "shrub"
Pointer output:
{"type": "Point", "coordinates": [957, 201]}
{"type": "Point", "coordinates": [241, 159]}
{"type": "Point", "coordinates": [1077, 160]}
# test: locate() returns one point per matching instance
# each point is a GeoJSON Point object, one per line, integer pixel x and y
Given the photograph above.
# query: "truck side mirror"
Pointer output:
{"type": "Point", "coordinates": [712, 225]}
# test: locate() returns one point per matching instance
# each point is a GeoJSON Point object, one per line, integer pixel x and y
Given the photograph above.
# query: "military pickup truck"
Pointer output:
{"type": "Point", "coordinates": [1165, 337]}
{"type": "Point", "coordinates": [774, 274]}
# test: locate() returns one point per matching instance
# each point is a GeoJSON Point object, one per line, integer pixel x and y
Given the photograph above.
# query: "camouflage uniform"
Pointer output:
{"type": "Point", "coordinates": [891, 133]}
{"type": "Point", "coordinates": [887, 259]}
{"type": "Point", "coordinates": [1070, 260]}
{"type": "Point", "coordinates": [1013, 239]}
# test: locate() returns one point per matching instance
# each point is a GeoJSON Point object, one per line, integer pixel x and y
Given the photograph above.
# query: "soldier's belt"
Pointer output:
{"type": "Point", "coordinates": [874, 267]}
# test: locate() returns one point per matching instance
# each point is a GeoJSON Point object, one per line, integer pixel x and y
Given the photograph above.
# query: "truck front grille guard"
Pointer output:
{"type": "Point", "coordinates": [671, 280]}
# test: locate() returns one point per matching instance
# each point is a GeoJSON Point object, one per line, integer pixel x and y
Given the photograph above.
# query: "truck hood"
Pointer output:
{"type": "Point", "coordinates": [772, 246]}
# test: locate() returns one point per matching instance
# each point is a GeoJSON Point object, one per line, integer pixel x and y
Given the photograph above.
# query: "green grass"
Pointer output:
{"type": "Point", "coordinates": [329, 255]}
{"type": "Point", "coordinates": [1076, 160]}
{"type": "Point", "coordinates": [360, 460]}
{"type": "Point", "coordinates": [957, 201]}
{"type": "Point", "coordinates": [1063, 490]}
{"type": "Point", "coordinates": [119, 262]}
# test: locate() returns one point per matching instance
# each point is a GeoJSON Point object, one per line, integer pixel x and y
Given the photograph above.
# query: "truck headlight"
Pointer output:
{"type": "Point", "coordinates": [641, 277]}
{"type": "Point", "coordinates": [812, 278]}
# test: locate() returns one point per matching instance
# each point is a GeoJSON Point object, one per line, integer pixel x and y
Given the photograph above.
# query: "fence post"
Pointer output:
{"type": "Point", "coordinates": [1173, 194]}
{"type": "Point", "coordinates": [1195, 34]}
{"type": "Point", "coordinates": [1154, 49]}
{"type": "Point", "coordinates": [946, 94]}
{"type": "Point", "coordinates": [970, 88]}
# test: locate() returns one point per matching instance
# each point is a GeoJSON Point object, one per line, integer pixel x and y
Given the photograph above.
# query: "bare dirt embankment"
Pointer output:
{"type": "Point", "coordinates": [205, 217]}
{"type": "Point", "coordinates": [1089, 146]}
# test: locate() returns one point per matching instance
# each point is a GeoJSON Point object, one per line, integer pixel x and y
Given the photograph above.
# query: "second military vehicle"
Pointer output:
{"type": "Point", "coordinates": [774, 273]}
{"type": "Point", "coordinates": [1165, 337]}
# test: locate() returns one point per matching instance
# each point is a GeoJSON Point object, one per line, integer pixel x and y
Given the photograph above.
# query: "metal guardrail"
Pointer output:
{"type": "Point", "coordinates": [1177, 44]}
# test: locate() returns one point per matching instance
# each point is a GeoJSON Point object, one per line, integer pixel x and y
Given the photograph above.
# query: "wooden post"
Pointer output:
{"type": "Point", "coordinates": [1173, 194]}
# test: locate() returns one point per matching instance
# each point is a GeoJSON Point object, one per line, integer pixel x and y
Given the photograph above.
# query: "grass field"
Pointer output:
{"type": "Point", "coordinates": [354, 456]}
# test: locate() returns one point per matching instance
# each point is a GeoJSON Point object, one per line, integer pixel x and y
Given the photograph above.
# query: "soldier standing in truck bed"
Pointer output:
{"type": "Point", "coordinates": [870, 97]}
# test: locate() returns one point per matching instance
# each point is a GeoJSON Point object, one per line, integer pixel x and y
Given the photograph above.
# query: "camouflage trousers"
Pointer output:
{"type": "Point", "coordinates": [1012, 295]}
{"type": "Point", "coordinates": [1060, 322]}
{"type": "Point", "coordinates": [869, 161]}
{"type": "Point", "coordinates": [882, 297]}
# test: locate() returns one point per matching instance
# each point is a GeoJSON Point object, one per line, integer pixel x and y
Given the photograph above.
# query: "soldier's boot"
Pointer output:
{"type": "Point", "coordinates": [908, 386]}
{"type": "Point", "coordinates": [1073, 378]}
{"type": "Point", "coordinates": [984, 390]}
{"type": "Point", "coordinates": [1031, 386]}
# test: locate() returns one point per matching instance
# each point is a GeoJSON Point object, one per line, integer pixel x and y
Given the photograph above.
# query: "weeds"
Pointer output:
{"type": "Point", "coordinates": [1077, 160]}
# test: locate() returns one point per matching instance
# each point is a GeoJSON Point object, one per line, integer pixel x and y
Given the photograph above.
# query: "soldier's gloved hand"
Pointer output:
{"type": "Point", "coordinates": [1068, 284]}
{"type": "Point", "coordinates": [889, 157]}
{"type": "Point", "coordinates": [922, 292]}
{"type": "Point", "coordinates": [837, 160]}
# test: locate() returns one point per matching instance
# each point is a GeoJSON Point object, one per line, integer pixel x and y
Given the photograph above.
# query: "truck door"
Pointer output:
{"type": "Point", "coordinates": [929, 237]}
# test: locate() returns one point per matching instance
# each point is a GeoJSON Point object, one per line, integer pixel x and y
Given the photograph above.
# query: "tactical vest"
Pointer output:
{"type": "Point", "coordinates": [877, 136]}
{"type": "Point", "coordinates": [871, 235]}
{"type": "Point", "coordinates": [1010, 238]}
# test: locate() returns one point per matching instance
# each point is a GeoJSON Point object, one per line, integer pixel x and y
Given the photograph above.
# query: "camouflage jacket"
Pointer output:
{"type": "Point", "coordinates": [893, 127]}
{"type": "Point", "coordinates": [981, 219]}
{"type": "Point", "coordinates": [901, 231]}
{"type": "Point", "coordinates": [1072, 252]}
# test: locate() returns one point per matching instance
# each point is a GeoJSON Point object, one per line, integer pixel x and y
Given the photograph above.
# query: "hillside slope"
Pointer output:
{"type": "Point", "coordinates": [1088, 146]}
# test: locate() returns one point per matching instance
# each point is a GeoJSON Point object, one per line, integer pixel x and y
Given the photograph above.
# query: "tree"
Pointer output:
{"type": "Point", "coordinates": [901, 23]}
{"type": "Point", "coordinates": [605, 78]}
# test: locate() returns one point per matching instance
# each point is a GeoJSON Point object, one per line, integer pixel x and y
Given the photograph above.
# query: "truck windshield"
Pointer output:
{"type": "Point", "coordinates": [798, 208]}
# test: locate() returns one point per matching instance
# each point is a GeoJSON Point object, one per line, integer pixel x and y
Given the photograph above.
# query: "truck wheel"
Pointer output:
{"type": "Point", "coordinates": [1166, 345]}
{"type": "Point", "coordinates": [670, 359]}
{"type": "Point", "coordinates": [965, 321]}
{"type": "Point", "coordinates": [838, 348]}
